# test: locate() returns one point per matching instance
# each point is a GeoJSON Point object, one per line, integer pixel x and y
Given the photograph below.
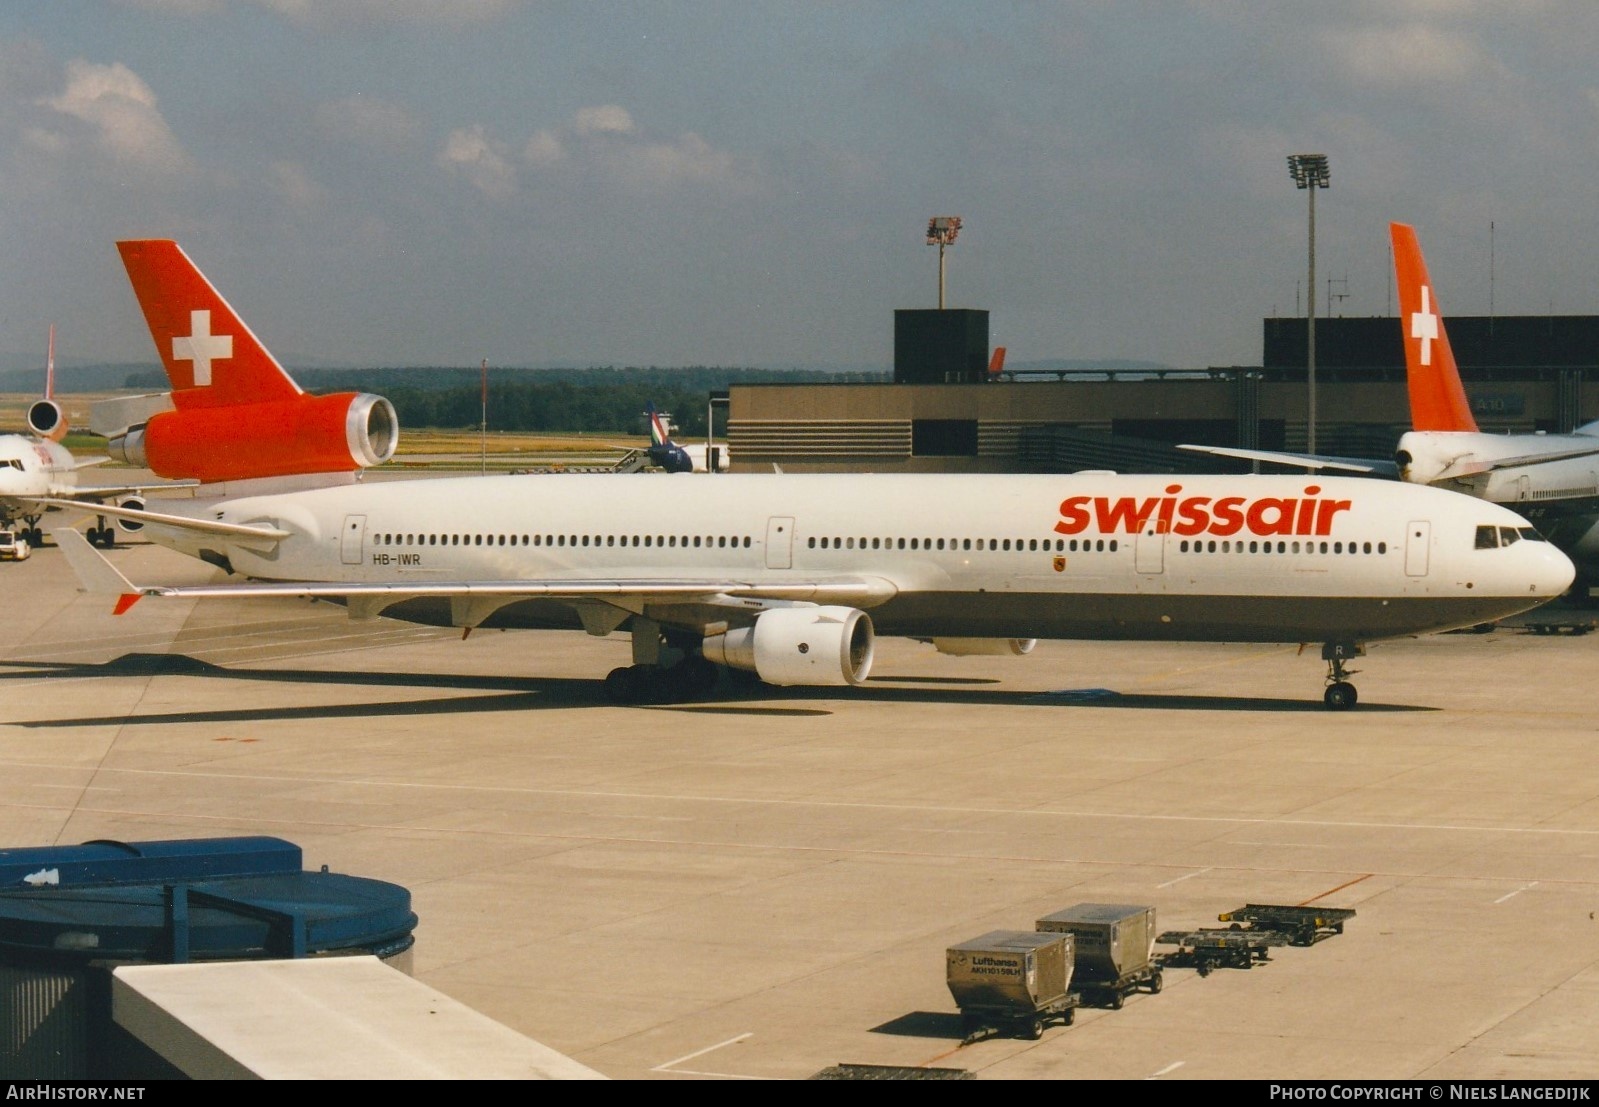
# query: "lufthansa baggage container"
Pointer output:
{"type": "Point", "coordinates": [1112, 940]}
{"type": "Point", "coordinates": [1010, 970]}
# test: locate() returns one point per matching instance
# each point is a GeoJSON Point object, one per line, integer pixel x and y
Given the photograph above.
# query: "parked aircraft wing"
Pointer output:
{"type": "Point", "coordinates": [1374, 466]}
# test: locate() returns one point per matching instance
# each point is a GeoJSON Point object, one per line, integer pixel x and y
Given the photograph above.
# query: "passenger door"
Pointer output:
{"type": "Point", "coordinates": [352, 539]}
{"type": "Point", "coordinates": [1149, 551]}
{"type": "Point", "coordinates": [1418, 537]}
{"type": "Point", "coordinates": [780, 542]}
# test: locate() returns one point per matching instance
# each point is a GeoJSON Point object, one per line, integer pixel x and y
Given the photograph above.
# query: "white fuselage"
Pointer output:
{"type": "Point", "coordinates": [1560, 497]}
{"type": "Point", "coordinates": [33, 468]}
{"type": "Point", "coordinates": [1092, 555]}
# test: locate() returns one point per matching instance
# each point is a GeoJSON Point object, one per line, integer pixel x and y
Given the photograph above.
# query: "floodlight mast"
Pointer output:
{"type": "Point", "coordinates": [1309, 172]}
{"type": "Point", "coordinates": [941, 231]}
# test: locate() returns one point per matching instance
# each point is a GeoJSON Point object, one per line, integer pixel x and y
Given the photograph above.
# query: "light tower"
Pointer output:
{"type": "Point", "coordinates": [941, 231]}
{"type": "Point", "coordinates": [1309, 172]}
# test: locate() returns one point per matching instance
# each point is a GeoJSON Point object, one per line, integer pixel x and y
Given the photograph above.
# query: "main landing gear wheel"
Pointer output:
{"type": "Point", "coordinates": [1340, 696]}
{"type": "Point", "coordinates": [691, 678]}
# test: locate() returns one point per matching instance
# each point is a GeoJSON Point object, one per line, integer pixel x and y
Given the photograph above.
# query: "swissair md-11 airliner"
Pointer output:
{"type": "Point", "coordinates": [792, 576]}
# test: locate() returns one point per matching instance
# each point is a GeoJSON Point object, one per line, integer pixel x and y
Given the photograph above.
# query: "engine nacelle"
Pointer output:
{"type": "Point", "coordinates": [308, 434]}
{"type": "Point", "coordinates": [47, 420]}
{"type": "Point", "coordinates": [817, 646]}
{"type": "Point", "coordinates": [131, 526]}
{"type": "Point", "coordinates": [985, 647]}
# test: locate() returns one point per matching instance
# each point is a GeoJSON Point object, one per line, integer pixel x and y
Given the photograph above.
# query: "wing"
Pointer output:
{"type": "Point", "coordinates": [602, 604]}
{"type": "Point", "coordinates": [1374, 466]}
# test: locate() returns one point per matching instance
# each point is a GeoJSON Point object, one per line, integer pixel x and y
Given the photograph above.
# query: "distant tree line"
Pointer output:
{"type": "Point", "coordinates": [605, 399]}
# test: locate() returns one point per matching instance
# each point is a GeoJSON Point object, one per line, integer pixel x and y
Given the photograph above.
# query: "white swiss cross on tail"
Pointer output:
{"type": "Point", "coordinates": [202, 347]}
{"type": "Point", "coordinates": [1424, 325]}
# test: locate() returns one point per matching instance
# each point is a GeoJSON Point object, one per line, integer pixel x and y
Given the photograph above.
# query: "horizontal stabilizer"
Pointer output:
{"type": "Point", "coordinates": [95, 574]}
{"type": "Point", "coordinates": [1476, 467]}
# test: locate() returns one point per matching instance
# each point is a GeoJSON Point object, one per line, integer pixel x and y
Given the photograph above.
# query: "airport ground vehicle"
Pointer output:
{"type": "Point", "coordinates": [13, 546]}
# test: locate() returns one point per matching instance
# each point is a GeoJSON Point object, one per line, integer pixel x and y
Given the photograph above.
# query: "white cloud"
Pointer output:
{"type": "Point", "coordinates": [688, 159]}
{"type": "Point", "coordinates": [605, 140]}
{"type": "Point", "coordinates": [604, 119]}
{"type": "Point", "coordinates": [121, 112]}
{"type": "Point", "coordinates": [482, 161]}
{"type": "Point", "coordinates": [1415, 54]}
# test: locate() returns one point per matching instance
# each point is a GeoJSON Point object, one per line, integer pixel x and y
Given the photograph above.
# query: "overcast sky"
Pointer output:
{"type": "Point", "coordinates": [406, 182]}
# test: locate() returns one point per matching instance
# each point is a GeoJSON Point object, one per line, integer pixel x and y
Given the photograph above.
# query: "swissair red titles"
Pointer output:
{"type": "Point", "coordinates": [1191, 515]}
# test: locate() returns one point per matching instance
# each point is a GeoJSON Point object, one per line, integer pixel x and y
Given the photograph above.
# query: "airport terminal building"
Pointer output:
{"type": "Point", "coordinates": [944, 412]}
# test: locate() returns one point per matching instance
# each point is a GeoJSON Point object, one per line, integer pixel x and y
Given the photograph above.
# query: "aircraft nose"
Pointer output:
{"type": "Point", "coordinates": [1551, 570]}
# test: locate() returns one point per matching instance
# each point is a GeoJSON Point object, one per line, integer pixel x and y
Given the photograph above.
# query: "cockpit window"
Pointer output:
{"type": "Point", "coordinates": [15, 463]}
{"type": "Point", "coordinates": [1508, 535]}
{"type": "Point", "coordinates": [1487, 538]}
{"type": "Point", "coordinates": [1530, 534]}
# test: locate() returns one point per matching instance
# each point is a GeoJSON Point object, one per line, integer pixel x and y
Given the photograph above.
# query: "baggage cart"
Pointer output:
{"type": "Point", "coordinates": [1207, 949]}
{"type": "Point", "coordinates": [1302, 925]}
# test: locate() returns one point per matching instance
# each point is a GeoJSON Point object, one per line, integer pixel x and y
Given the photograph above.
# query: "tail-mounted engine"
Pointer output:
{"type": "Point", "coordinates": [47, 420]}
{"type": "Point", "coordinates": [307, 434]}
{"type": "Point", "coordinates": [818, 646]}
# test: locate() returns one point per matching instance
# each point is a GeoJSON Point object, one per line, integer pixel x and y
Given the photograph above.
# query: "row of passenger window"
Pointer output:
{"type": "Point", "coordinates": [685, 541]}
{"type": "Point", "coordinates": [1240, 546]}
{"type": "Point", "coordinates": [1058, 545]}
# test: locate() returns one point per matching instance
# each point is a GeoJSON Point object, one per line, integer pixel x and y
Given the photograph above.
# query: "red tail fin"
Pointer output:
{"type": "Point", "coordinates": [210, 356]}
{"type": "Point", "coordinates": [1437, 398]}
{"type": "Point", "coordinates": [996, 364]}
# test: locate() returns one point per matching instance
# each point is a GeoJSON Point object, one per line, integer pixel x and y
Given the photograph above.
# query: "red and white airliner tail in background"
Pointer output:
{"type": "Point", "coordinates": [38, 474]}
{"type": "Point", "coordinates": [234, 413]}
{"type": "Point", "coordinates": [1437, 397]}
{"type": "Point", "coordinates": [1552, 479]}
{"type": "Point", "coordinates": [791, 576]}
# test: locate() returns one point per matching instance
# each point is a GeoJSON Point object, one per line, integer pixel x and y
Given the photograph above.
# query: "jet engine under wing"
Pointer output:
{"type": "Point", "coordinates": [1375, 466]}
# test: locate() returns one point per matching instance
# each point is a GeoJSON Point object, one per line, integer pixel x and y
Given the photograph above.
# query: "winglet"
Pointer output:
{"type": "Point", "coordinates": [1437, 398]}
{"type": "Point", "coordinates": [95, 574]}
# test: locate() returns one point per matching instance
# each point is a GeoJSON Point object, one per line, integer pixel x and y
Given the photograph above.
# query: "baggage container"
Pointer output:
{"type": "Point", "coordinates": [1018, 969]}
{"type": "Point", "coordinates": [1111, 940]}
{"type": "Point", "coordinates": [1012, 979]}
